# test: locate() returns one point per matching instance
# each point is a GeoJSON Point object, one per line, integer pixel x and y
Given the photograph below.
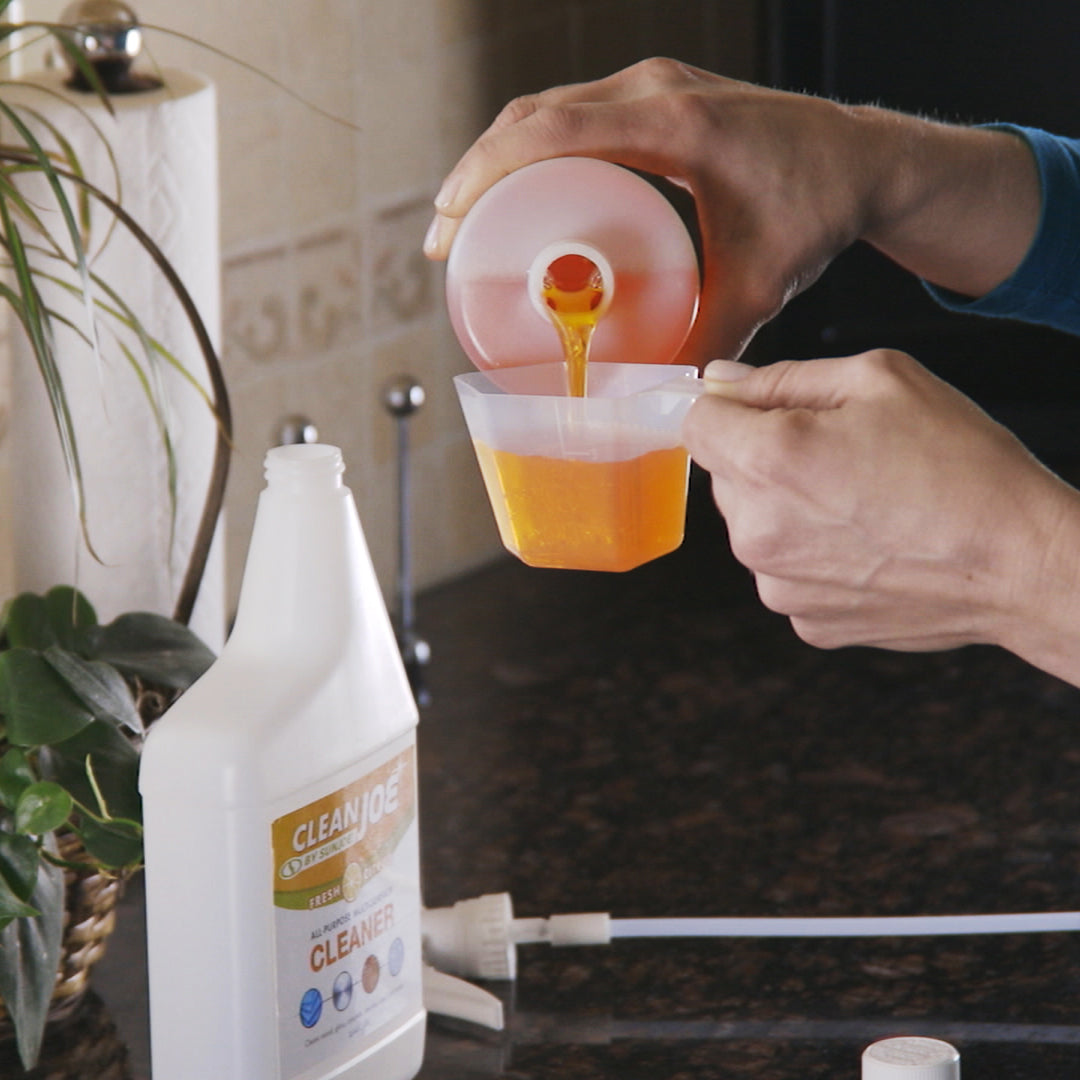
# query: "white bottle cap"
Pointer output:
{"type": "Point", "coordinates": [911, 1057]}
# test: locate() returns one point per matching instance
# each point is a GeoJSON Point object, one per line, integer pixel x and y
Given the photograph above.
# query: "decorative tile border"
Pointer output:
{"type": "Point", "coordinates": [303, 298]}
{"type": "Point", "coordinates": [401, 278]}
{"type": "Point", "coordinates": [292, 300]}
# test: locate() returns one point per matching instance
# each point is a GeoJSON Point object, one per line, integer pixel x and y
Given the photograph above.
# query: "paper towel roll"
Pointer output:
{"type": "Point", "coordinates": [164, 147]}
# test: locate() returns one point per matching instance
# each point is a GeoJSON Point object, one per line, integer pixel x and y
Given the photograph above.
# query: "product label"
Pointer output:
{"type": "Point", "coordinates": [347, 916]}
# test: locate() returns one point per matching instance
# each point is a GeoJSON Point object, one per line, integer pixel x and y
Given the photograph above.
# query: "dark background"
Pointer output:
{"type": "Point", "coordinates": [967, 61]}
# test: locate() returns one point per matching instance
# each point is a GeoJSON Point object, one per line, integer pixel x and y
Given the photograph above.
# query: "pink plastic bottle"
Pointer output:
{"type": "Point", "coordinates": [582, 206]}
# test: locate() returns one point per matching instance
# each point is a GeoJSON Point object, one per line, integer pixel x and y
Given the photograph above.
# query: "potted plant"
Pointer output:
{"type": "Point", "coordinates": [75, 696]}
{"type": "Point", "coordinates": [75, 699]}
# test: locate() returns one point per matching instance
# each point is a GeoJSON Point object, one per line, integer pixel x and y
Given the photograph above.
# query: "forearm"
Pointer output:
{"type": "Point", "coordinates": [1039, 618]}
{"type": "Point", "coordinates": [958, 206]}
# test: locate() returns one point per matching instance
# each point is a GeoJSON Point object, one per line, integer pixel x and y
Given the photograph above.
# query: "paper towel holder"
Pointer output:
{"type": "Point", "coordinates": [108, 35]}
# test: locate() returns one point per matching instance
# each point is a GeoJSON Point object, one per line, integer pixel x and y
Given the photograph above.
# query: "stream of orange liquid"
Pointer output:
{"type": "Point", "coordinates": [573, 290]}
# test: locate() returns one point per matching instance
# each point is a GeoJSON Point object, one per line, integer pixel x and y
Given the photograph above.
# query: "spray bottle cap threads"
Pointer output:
{"type": "Point", "coordinates": [306, 463]}
{"type": "Point", "coordinates": [911, 1057]}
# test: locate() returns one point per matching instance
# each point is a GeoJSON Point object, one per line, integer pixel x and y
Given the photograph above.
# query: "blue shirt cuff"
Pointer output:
{"type": "Point", "coordinates": [1045, 287]}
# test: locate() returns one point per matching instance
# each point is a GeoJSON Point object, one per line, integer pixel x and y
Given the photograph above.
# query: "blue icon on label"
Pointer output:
{"type": "Point", "coordinates": [397, 956]}
{"type": "Point", "coordinates": [343, 987]}
{"type": "Point", "coordinates": [310, 1008]}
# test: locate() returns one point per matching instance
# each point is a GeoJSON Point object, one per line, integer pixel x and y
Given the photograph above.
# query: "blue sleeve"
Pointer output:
{"type": "Point", "coordinates": [1045, 287]}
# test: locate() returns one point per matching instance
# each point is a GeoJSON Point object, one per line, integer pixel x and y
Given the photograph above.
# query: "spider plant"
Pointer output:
{"type": "Point", "coordinates": [69, 723]}
{"type": "Point", "coordinates": [33, 252]}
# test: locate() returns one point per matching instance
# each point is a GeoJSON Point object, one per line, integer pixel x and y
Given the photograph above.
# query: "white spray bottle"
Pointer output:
{"type": "Point", "coordinates": [279, 799]}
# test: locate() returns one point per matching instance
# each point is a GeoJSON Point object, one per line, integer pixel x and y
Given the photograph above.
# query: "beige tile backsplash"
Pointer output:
{"type": "Point", "coordinates": [325, 293]}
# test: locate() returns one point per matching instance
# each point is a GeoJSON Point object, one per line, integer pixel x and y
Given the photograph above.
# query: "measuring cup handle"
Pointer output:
{"type": "Point", "coordinates": [691, 388]}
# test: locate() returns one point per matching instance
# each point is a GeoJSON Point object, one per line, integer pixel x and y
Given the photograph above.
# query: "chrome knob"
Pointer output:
{"type": "Point", "coordinates": [403, 395]}
{"type": "Point", "coordinates": [108, 35]}
{"type": "Point", "coordinates": [294, 429]}
{"type": "Point", "coordinates": [103, 29]}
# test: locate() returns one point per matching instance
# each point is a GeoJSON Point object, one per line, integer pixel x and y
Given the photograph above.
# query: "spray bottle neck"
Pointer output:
{"type": "Point", "coordinates": [308, 575]}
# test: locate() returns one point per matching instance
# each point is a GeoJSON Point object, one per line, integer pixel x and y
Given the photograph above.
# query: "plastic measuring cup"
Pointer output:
{"type": "Point", "coordinates": [593, 483]}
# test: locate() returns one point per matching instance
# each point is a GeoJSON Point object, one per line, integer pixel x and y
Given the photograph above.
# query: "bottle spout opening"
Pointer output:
{"type": "Point", "coordinates": [571, 267]}
{"type": "Point", "coordinates": [304, 463]}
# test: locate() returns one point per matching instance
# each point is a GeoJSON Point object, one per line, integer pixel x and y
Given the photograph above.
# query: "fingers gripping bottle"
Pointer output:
{"type": "Point", "coordinates": [554, 215]}
{"type": "Point", "coordinates": [279, 795]}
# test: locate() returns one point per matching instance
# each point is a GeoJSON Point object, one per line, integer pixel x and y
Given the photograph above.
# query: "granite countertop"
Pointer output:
{"type": "Point", "coordinates": [657, 744]}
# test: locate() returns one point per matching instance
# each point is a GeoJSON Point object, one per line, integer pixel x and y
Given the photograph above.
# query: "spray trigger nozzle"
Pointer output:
{"type": "Point", "coordinates": [479, 937]}
{"type": "Point", "coordinates": [447, 995]}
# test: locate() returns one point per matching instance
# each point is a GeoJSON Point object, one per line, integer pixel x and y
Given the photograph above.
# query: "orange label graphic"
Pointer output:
{"type": "Point", "coordinates": [327, 851]}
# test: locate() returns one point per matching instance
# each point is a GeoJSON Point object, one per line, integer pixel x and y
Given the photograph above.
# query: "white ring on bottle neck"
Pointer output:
{"type": "Point", "coordinates": [539, 268]}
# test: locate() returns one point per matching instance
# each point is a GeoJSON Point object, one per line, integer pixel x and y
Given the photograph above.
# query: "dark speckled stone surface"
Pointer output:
{"type": "Point", "coordinates": [656, 743]}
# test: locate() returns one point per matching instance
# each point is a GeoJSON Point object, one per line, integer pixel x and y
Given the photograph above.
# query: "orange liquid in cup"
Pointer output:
{"type": "Point", "coordinates": [565, 512]}
{"type": "Point", "coordinates": [587, 515]}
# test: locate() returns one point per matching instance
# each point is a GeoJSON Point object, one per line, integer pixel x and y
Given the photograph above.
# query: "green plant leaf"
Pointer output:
{"type": "Point", "coordinates": [27, 212]}
{"type": "Point", "coordinates": [27, 623]}
{"type": "Point", "coordinates": [42, 807]}
{"type": "Point", "coordinates": [16, 774]}
{"type": "Point", "coordinates": [29, 959]}
{"type": "Point", "coordinates": [285, 88]}
{"type": "Point", "coordinates": [35, 322]}
{"type": "Point", "coordinates": [39, 708]}
{"type": "Point", "coordinates": [68, 611]}
{"type": "Point", "coordinates": [51, 176]}
{"type": "Point", "coordinates": [69, 157]}
{"type": "Point", "coordinates": [11, 907]}
{"type": "Point", "coordinates": [115, 763]}
{"type": "Point", "coordinates": [18, 870]}
{"type": "Point", "coordinates": [122, 313]}
{"type": "Point", "coordinates": [116, 843]}
{"type": "Point", "coordinates": [39, 622]}
{"type": "Point", "coordinates": [99, 686]}
{"type": "Point", "coordinates": [149, 647]}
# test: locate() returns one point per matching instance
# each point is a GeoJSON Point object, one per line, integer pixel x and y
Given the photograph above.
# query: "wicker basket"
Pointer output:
{"type": "Point", "coordinates": [82, 1045]}
{"type": "Point", "coordinates": [89, 918]}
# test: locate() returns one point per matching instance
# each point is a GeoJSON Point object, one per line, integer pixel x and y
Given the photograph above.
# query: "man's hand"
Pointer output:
{"type": "Point", "coordinates": [876, 505]}
{"type": "Point", "coordinates": [782, 183]}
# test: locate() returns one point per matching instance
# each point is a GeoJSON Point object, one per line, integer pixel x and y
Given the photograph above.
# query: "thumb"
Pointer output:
{"type": "Point", "coordinates": [787, 384]}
